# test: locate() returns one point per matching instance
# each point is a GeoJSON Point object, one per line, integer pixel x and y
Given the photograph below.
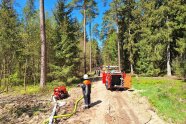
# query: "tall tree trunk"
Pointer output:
{"type": "Point", "coordinates": [90, 48]}
{"type": "Point", "coordinates": [131, 65]}
{"type": "Point", "coordinates": [84, 50]}
{"type": "Point", "coordinates": [118, 42]}
{"type": "Point", "coordinates": [25, 75]}
{"type": "Point", "coordinates": [119, 59]}
{"type": "Point", "coordinates": [1, 74]}
{"type": "Point", "coordinates": [19, 72]}
{"type": "Point", "coordinates": [168, 53]}
{"type": "Point", "coordinates": [34, 71]}
{"type": "Point", "coordinates": [119, 63]}
{"type": "Point", "coordinates": [131, 69]}
{"type": "Point", "coordinates": [7, 75]}
{"type": "Point", "coordinates": [4, 72]}
{"type": "Point", "coordinates": [43, 45]}
{"type": "Point", "coordinates": [8, 82]}
{"type": "Point", "coordinates": [168, 61]}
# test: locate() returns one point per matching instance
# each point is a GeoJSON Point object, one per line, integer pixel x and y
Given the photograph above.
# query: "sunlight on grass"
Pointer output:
{"type": "Point", "coordinates": [168, 96]}
{"type": "Point", "coordinates": [35, 89]}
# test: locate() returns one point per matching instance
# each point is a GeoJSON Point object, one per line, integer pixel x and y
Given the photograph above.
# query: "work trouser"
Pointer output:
{"type": "Point", "coordinates": [86, 93]}
{"type": "Point", "coordinates": [87, 99]}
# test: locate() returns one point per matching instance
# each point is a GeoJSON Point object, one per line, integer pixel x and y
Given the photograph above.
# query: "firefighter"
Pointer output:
{"type": "Point", "coordinates": [86, 88]}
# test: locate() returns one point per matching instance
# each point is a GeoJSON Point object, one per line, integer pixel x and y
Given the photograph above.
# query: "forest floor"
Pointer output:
{"type": "Point", "coordinates": [108, 107]}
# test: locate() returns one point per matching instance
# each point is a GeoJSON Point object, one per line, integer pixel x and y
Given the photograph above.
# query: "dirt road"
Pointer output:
{"type": "Point", "coordinates": [116, 107]}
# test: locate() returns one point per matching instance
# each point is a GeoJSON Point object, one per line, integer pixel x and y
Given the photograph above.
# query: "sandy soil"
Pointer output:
{"type": "Point", "coordinates": [108, 107]}
{"type": "Point", "coordinates": [116, 107]}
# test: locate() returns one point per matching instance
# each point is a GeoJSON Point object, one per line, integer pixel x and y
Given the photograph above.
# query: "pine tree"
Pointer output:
{"type": "Point", "coordinates": [30, 40]}
{"type": "Point", "coordinates": [109, 52]}
{"type": "Point", "coordinates": [91, 13]}
{"type": "Point", "coordinates": [43, 45]}
{"type": "Point", "coordinates": [88, 7]}
{"type": "Point", "coordinates": [66, 44]}
{"type": "Point", "coordinates": [9, 40]}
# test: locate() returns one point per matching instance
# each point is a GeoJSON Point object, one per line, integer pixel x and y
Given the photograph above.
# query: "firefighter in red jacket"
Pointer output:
{"type": "Point", "coordinates": [86, 88]}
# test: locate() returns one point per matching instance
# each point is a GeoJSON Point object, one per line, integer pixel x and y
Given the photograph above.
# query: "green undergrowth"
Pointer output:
{"type": "Point", "coordinates": [166, 95]}
{"type": "Point", "coordinates": [35, 89]}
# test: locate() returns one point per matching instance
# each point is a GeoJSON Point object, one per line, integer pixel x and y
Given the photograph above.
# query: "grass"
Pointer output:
{"type": "Point", "coordinates": [167, 96]}
{"type": "Point", "coordinates": [35, 89]}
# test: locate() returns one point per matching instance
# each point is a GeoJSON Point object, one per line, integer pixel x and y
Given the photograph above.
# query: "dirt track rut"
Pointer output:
{"type": "Point", "coordinates": [116, 107]}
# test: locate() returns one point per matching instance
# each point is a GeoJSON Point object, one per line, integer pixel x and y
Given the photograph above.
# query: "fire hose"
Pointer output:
{"type": "Point", "coordinates": [66, 115]}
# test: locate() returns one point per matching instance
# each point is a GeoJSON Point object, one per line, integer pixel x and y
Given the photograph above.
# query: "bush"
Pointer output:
{"type": "Point", "coordinates": [179, 67]}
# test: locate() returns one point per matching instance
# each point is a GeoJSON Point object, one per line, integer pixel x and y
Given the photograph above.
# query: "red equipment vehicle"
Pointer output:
{"type": "Point", "coordinates": [113, 78]}
{"type": "Point", "coordinates": [60, 93]}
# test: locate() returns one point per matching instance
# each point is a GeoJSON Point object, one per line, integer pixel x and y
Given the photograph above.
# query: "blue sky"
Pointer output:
{"type": "Point", "coordinates": [50, 5]}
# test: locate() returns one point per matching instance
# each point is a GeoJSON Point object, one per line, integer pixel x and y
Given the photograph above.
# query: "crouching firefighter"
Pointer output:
{"type": "Point", "coordinates": [86, 88]}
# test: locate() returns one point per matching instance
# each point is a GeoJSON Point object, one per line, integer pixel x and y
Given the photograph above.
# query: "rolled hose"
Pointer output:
{"type": "Point", "coordinates": [69, 114]}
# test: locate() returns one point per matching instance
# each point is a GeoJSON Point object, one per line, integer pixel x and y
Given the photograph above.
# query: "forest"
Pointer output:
{"type": "Point", "coordinates": [142, 37]}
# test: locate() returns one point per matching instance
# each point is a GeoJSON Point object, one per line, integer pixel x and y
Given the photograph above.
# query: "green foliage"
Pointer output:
{"type": "Point", "coordinates": [20, 45]}
{"type": "Point", "coordinates": [35, 89]}
{"type": "Point", "coordinates": [166, 95]}
{"type": "Point", "coordinates": [65, 46]}
{"type": "Point", "coordinates": [15, 79]}
{"type": "Point", "coordinates": [9, 41]}
{"type": "Point", "coordinates": [149, 31]}
{"type": "Point", "coordinates": [29, 58]}
{"type": "Point", "coordinates": [158, 31]}
{"type": "Point", "coordinates": [109, 52]}
{"type": "Point", "coordinates": [151, 34]}
{"type": "Point", "coordinates": [95, 53]}
{"type": "Point", "coordinates": [179, 67]}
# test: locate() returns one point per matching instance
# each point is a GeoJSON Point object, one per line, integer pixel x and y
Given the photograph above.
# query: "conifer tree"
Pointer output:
{"type": "Point", "coordinates": [66, 44]}
{"type": "Point", "coordinates": [88, 6]}
{"type": "Point", "coordinates": [9, 40]}
{"type": "Point", "coordinates": [43, 45]}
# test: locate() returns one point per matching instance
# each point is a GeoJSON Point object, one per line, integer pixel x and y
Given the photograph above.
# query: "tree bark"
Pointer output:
{"type": "Point", "coordinates": [131, 69]}
{"type": "Point", "coordinates": [168, 53]}
{"type": "Point", "coordinates": [4, 72]}
{"type": "Point", "coordinates": [90, 50]}
{"type": "Point", "coordinates": [34, 71]}
{"type": "Point", "coordinates": [25, 75]}
{"type": "Point", "coordinates": [8, 82]}
{"type": "Point", "coordinates": [119, 63]}
{"type": "Point", "coordinates": [84, 50]}
{"type": "Point", "coordinates": [1, 74]}
{"type": "Point", "coordinates": [168, 61]}
{"type": "Point", "coordinates": [118, 42]}
{"type": "Point", "coordinates": [7, 75]}
{"type": "Point", "coordinates": [131, 57]}
{"type": "Point", "coordinates": [43, 45]}
{"type": "Point", "coordinates": [119, 59]}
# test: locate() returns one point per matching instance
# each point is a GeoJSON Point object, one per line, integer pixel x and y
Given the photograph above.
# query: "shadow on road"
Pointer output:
{"type": "Point", "coordinates": [121, 89]}
{"type": "Point", "coordinates": [95, 103]}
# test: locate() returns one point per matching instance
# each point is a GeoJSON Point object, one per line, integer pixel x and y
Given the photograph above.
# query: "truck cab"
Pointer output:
{"type": "Point", "coordinates": [113, 78]}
